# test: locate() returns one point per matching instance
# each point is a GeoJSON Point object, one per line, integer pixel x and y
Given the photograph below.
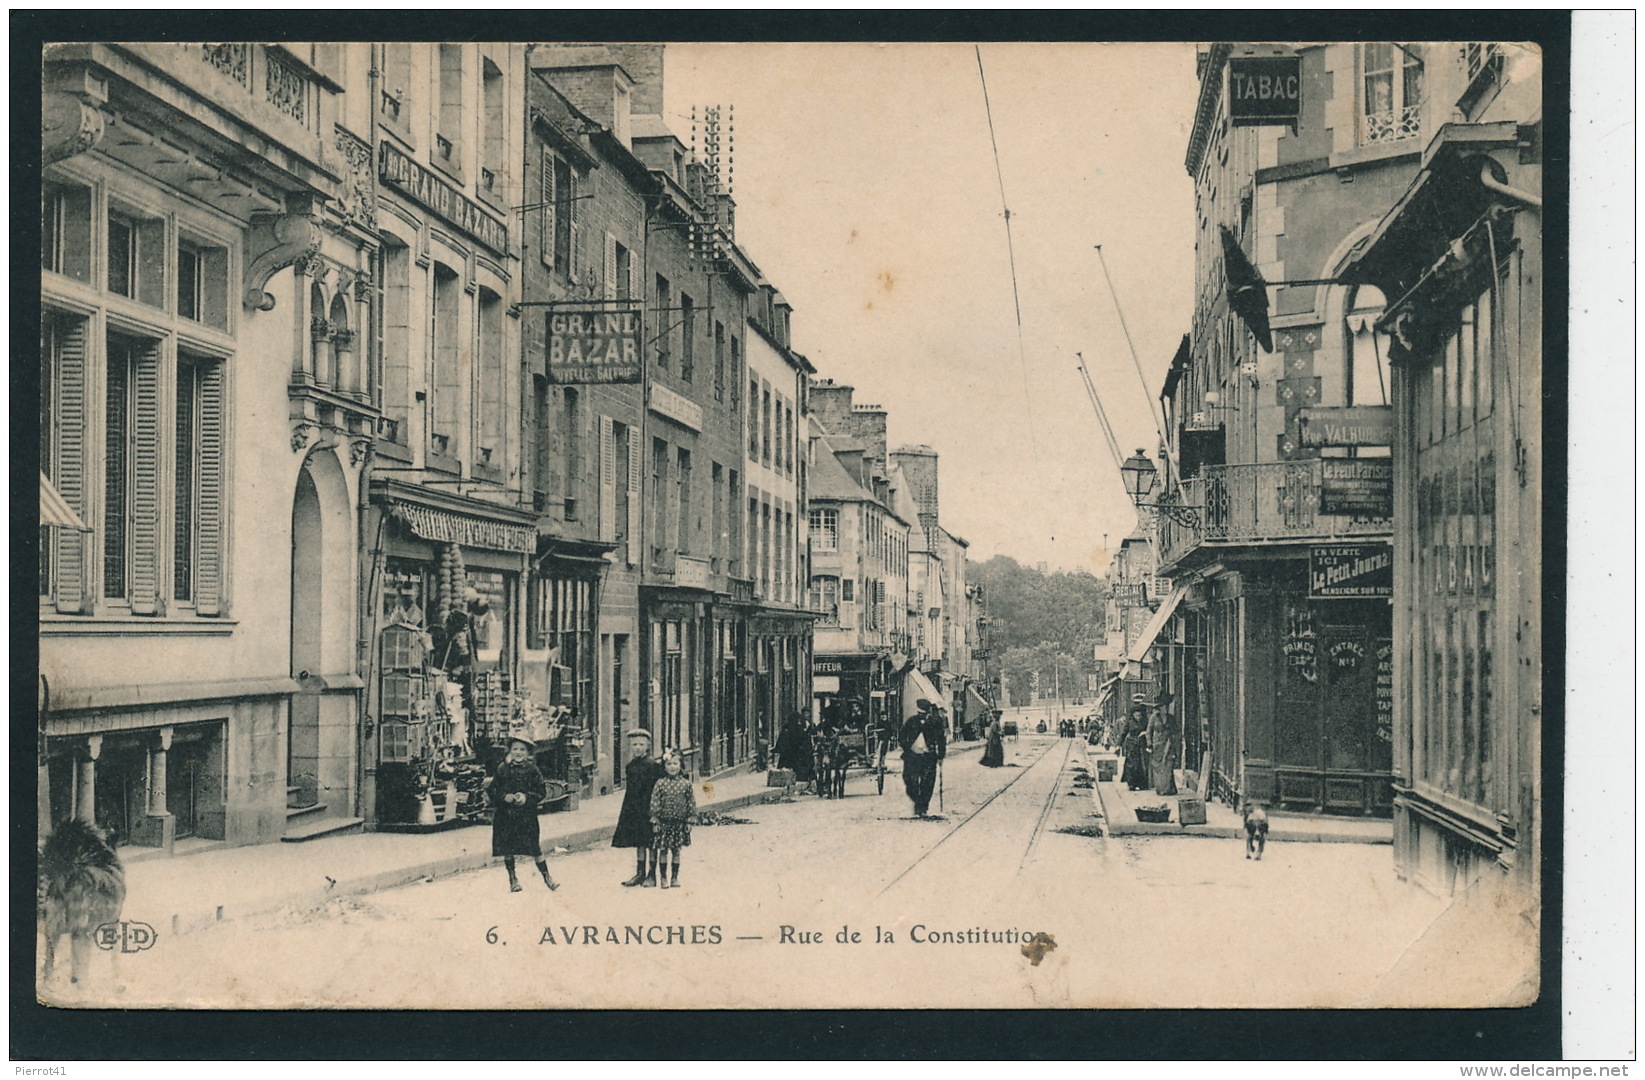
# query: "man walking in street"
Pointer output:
{"type": "Point", "coordinates": [924, 741]}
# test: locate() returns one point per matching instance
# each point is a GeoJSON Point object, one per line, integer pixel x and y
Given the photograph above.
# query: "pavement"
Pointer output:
{"type": "Point", "coordinates": [189, 892]}
{"type": "Point", "coordinates": [1119, 804]}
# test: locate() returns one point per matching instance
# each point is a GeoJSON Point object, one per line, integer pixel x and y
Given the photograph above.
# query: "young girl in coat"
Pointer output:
{"type": "Point", "coordinates": [672, 804]}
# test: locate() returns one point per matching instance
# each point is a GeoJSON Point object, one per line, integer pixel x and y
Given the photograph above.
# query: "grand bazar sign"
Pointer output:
{"type": "Point", "coordinates": [594, 346]}
{"type": "Point", "coordinates": [1351, 572]}
{"type": "Point", "coordinates": [398, 170]}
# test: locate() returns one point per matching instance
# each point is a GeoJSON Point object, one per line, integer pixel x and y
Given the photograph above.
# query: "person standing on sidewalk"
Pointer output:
{"type": "Point", "coordinates": [672, 804]}
{"type": "Point", "coordinates": [924, 741]}
{"type": "Point", "coordinates": [634, 819]}
{"type": "Point", "coordinates": [1134, 746]}
{"type": "Point", "coordinates": [1164, 738]}
{"type": "Point", "coordinates": [993, 755]}
{"type": "Point", "coordinates": [517, 790]}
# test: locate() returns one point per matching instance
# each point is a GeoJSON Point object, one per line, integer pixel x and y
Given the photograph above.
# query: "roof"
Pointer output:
{"type": "Point", "coordinates": [829, 480]}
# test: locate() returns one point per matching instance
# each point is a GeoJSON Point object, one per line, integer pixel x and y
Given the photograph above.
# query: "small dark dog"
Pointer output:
{"type": "Point", "coordinates": [1256, 830]}
{"type": "Point", "coordinates": [82, 886]}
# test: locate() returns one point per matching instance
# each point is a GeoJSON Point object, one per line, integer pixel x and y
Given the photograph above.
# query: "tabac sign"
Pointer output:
{"type": "Point", "coordinates": [1264, 90]}
{"type": "Point", "coordinates": [1351, 572]}
{"type": "Point", "coordinates": [594, 346]}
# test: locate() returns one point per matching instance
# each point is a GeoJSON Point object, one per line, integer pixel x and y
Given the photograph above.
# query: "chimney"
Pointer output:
{"type": "Point", "coordinates": [831, 406]}
{"type": "Point", "coordinates": [592, 78]}
{"type": "Point", "coordinates": [868, 427]}
{"type": "Point", "coordinates": [644, 63]}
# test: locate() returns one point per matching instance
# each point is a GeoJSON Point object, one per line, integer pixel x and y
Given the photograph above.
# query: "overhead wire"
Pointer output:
{"type": "Point", "coordinates": [1011, 255]}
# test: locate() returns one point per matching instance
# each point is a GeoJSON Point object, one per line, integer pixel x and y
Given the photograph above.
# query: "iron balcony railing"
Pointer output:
{"type": "Point", "coordinates": [1266, 502]}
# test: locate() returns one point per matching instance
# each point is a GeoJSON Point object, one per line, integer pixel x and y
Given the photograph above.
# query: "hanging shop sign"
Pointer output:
{"type": "Point", "coordinates": [677, 407]}
{"type": "Point", "coordinates": [1360, 487]}
{"type": "Point", "coordinates": [1350, 572]}
{"type": "Point", "coordinates": [595, 346]}
{"type": "Point", "coordinates": [399, 171]}
{"type": "Point", "coordinates": [1264, 90]}
{"type": "Point", "coordinates": [1358, 425]}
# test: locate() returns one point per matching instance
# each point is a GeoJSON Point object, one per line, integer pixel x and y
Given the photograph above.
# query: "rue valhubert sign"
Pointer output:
{"type": "Point", "coordinates": [1357, 425]}
{"type": "Point", "coordinates": [594, 346]}
{"type": "Point", "coordinates": [1264, 90]}
{"type": "Point", "coordinates": [1350, 572]}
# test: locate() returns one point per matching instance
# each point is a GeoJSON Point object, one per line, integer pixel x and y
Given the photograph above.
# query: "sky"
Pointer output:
{"type": "Point", "coordinates": [867, 192]}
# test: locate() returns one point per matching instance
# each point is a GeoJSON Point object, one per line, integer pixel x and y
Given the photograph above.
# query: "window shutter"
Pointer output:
{"type": "Point", "coordinates": [636, 283]}
{"type": "Point", "coordinates": [208, 569]}
{"type": "Point", "coordinates": [574, 267]}
{"type": "Point", "coordinates": [608, 480]}
{"type": "Point", "coordinates": [71, 595]}
{"type": "Point", "coordinates": [546, 221]}
{"type": "Point", "coordinates": [634, 473]}
{"type": "Point", "coordinates": [610, 278]}
{"type": "Point", "coordinates": [145, 484]}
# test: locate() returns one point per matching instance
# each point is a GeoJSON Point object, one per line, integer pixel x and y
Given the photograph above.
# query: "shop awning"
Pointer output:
{"type": "Point", "coordinates": [55, 510]}
{"type": "Point", "coordinates": [977, 699]}
{"type": "Point", "coordinates": [1140, 647]}
{"type": "Point", "coordinates": [445, 527]}
{"type": "Point", "coordinates": [916, 686]}
{"type": "Point", "coordinates": [1103, 692]}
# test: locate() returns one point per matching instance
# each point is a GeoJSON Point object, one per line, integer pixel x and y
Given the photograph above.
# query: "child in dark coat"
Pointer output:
{"type": "Point", "coordinates": [634, 819]}
{"type": "Point", "coordinates": [672, 804]}
{"type": "Point", "coordinates": [516, 790]}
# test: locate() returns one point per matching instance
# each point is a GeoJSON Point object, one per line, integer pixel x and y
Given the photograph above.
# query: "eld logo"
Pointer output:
{"type": "Point", "coordinates": [128, 937]}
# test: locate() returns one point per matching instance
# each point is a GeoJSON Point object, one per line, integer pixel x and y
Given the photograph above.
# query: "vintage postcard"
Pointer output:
{"type": "Point", "coordinates": [622, 525]}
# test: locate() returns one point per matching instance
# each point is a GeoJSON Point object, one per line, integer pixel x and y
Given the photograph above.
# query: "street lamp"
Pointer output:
{"type": "Point", "coordinates": [1140, 476]}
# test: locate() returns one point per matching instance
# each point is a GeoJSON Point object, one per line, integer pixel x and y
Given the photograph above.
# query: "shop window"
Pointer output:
{"type": "Point", "coordinates": [65, 230]}
{"type": "Point", "coordinates": [825, 530]}
{"type": "Point", "coordinates": [1391, 92]}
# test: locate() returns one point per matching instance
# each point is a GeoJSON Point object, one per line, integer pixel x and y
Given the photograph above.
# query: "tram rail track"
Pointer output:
{"type": "Point", "coordinates": [1039, 824]}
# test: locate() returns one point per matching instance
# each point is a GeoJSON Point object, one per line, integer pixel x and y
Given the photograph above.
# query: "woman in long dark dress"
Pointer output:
{"type": "Point", "coordinates": [1134, 746]}
{"type": "Point", "coordinates": [1164, 737]}
{"type": "Point", "coordinates": [794, 748]}
{"type": "Point", "coordinates": [516, 791]}
{"type": "Point", "coordinates": [993, 755]}
{"type": "Point", "coordinates": [634, 819]}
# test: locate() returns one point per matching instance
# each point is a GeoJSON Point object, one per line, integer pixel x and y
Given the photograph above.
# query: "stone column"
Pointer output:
{"type": "Point", "coordinates": [86, 797]}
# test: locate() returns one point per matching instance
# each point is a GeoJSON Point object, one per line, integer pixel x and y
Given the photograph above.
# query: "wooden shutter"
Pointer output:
{"type": "Point", "coordinates": [208, 542]}
{"type": "Point", "coordinates": [610, 279]}
{"type": "Point", "coordinates": [608, 480]}
{"type": "Point", "coordinates": [145, 483]}
{"type": "Point", "coordinates": [635, 471]}
{"type": "Point", "coordinates": [567, 198]}
{"type": "Point", "coordinates": [636, 284]}
{"type": "Point", "coordinates": [546, 220]}
{"type": "Point", "coordinates": [72, 597]}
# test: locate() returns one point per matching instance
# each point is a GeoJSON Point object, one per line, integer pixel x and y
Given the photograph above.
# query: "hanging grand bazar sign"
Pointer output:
{"type": "Point", "coordinates": [596, 346]}
{"type": "Point", "coordinates": [1357, 487]}
{"type": "Point", "coordinates": [1350, 572]}
{"type": "Point", "coordinates": [1356, 425]}
{"type": "Point", "coordinates": [1264, 90]}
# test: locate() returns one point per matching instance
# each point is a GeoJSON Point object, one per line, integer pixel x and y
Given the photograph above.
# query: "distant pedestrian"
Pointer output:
{"type": "Point", "coordinates": [1164, 740]}
{"type": "Point", "coordinates": [672, 804]}
{"type": "Point", "coordinates": [517, 789]}
{"type": "Point", "coordinates": [794, 748]}
{"type": "Point", "coordinates": [924, 741]}
{"type": "Point", "coordinates": [634, 819]}
{"type": "Point", "coordinates": [993, 754]}
{"type": "Point", "coordinates": [1134, 746]}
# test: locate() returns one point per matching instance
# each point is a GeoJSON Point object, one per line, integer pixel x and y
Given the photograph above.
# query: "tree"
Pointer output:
{"type": "Point", "coordinates": [1036, 617]}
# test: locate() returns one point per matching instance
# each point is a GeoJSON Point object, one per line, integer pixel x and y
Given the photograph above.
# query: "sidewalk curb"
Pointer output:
{"type": "Point", "coordinates": [582, 839]}
{"type": "Point", "coordinates": [1226, 832]}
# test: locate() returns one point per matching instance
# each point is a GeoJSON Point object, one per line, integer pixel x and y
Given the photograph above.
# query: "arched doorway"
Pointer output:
{"type": "Point", "coordinates": [303, 731]}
